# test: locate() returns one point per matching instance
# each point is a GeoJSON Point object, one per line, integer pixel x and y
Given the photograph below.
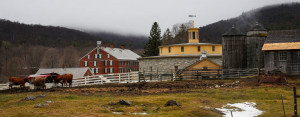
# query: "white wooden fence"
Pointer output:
{"type": "Point", "coordinates": [130, 77]}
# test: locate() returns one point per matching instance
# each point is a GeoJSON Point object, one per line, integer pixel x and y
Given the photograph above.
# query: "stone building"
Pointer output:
{"type": "Point", "coordinates": [282, 51]}
{"type": "Point", "coordinates": [179, 56]}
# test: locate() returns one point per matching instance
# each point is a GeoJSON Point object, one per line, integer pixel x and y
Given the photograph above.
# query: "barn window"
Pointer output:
{"type": "Point", "coordinates": [99, 55]}
{"type": "Point", "coordinates": [199, 49]}
{"type": "Point", "coordinates": [95, 56]}
{"type": "Point", "coordinates": [204, 68]}
{"type": "Point", "coordinates": [111, 62]}
{"type": "Point", "coordinates": [105, 63]}
{"type": "Point", "coordinates": [88, 56]}
{"type": "Point", "coordinates": [97, 70]}
{"type": "Point", "coordinates": [169, 49]}
{"type": "Point", "coordinates": [98, 51]}
{"type": "Point", "coordinates": [213, 48]}
{"type": "Point", "coordinates": [85, 63]}
{"type": "Point", "coordinates": [93, 70]}
{"type": "Point", "coordinates": [95, 63]}
{"type": "Point", "coordinates": [182, 49]}
{"type": "Point", "coordinates": [108, 55]}
{"type": "Point", "coordinates": [282, 56]}
{"type": "Point", "coordinates": [105, 70]}
{"type": "Point", "coordinates": [111, 70]}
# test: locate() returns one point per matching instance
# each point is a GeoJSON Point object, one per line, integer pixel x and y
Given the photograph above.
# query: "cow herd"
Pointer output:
{"type": "Point", "coordinates": [39, 81]}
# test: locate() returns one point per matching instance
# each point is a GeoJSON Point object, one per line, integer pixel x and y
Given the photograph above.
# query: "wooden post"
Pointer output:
{"type": "Point", "coordinates": [144, 76]}
{"type": "Point", "coordinates": [157, 73]}
{"type": "Point", "coordinates": [197, 74]}
{"type": "Point", "coordinates": [85, 80]}
{"type": "Point", "coordinates": [129, 76]}
{"type": "Point", "coordinates": [172, 75]}
{"type": "Point", "coordinates": [295, 102]}
{"type": "Point", "coordinates": [283, 106]}
{"type": "Point", "coordinates": [119, 78]}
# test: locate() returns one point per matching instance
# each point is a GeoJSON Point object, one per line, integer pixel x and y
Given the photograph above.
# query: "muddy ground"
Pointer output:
{"type": "Point", "coordinates": [146, 88]}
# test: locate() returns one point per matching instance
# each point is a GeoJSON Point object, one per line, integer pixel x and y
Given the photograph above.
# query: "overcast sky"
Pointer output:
{"type": "Point", "coordinates": [125, 16]}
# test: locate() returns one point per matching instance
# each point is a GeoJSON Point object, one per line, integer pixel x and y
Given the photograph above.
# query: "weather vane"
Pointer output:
{"type": "Point", "coordinates": [192, 20]}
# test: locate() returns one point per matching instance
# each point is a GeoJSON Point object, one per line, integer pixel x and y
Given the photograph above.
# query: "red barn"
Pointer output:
{"type": "Point", "coordinates": [107, 60]}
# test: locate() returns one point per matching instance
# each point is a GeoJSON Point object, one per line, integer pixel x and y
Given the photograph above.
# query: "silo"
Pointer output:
{"type": "Point", "coordinates": [254, 41]}
{"type": "Point", "coordinates": [234, 50]}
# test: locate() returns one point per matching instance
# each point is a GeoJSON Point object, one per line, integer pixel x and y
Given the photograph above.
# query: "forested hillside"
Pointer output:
{"type": "Point", "coordinates": [275, 17]}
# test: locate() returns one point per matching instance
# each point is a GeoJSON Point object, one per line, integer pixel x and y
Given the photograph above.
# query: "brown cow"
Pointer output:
{"type": "Point", "coordinates": [66, 78]}
{"type": "Point", "coordinates": [17, 81]}
{"type": "Point", "coordinates": [39, 82]}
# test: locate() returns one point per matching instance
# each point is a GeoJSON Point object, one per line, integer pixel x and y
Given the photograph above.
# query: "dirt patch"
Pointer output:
{"type": "Point", "coordinates": [145, 88]}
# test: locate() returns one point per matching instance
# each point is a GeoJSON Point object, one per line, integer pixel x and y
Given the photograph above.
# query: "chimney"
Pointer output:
{"type": "Point", "coordinates": [99, 44]}
{"type": "Point", "coordinates": [111, 45]}
{"type": "Point", "coordinates": [122, 47]}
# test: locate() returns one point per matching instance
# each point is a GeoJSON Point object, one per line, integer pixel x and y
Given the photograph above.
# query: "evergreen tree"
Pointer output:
{"type": "Point", "coordinates": [167, 37]}
{"type": "Point", "coordinates": [151, 48]}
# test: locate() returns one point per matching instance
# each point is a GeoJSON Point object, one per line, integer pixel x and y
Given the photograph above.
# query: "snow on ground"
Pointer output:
{"type": "Point", "coordinates": [245, 109]}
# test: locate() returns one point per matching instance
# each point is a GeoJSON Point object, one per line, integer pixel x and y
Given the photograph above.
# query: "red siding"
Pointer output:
{"type": "Point", "coordinates": [100, 63]}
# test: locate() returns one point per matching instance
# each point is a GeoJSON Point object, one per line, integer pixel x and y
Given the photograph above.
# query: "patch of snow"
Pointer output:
{"type": "Point", "coordinates": [138, 113]}
{"type": "Point", "coordinates": [245, 109]}
{"type": "Point", "coordinates": [118, 113]}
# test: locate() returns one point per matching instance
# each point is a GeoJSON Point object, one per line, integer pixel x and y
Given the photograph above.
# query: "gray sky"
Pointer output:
{"type": "Point", "coordinates": [125, 16]}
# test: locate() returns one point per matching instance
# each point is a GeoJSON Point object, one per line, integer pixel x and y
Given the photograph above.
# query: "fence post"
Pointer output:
{"type": "Point", "coordinates": [295, 102]}
{"type": "Point", "coordinates": [85, 80]}
{"type": "Point", "coordinates": [129, 77]}
{"type": "Point", "coordinates": [119, 78]}
{"type": "Point", "coordinates": [172, 75]}
{"type": "Point", "coordinates": [101, 79]}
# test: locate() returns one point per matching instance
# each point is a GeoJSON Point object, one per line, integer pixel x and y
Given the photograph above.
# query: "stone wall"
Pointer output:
{"type": "Point", "coordinates": [165, 64]}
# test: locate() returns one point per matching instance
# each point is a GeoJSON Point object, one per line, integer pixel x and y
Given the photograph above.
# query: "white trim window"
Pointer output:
{"type": "Point", "coordinates": [95, 56]}
{"type": "Point", "coordinates": [85, 63]}
{"type": "Point", "coordinates": [88, 56]}
{"type": "Point", "coordinates": [111, 70]}
{"type": "Point", "coordinates": [111, 62]}
{"type": "Point", "coordinates": [108, 55]}
{"type": "Point", "coordinates": [98, 51]}
{"type": "Point", "coordinates": [99, 55]}
{"type": "Point", "coordinates": [97, 70]}
{"type": "Point", "coordinates": [105, 63]}
{"type": "Point", "coordinates": [105, 70]}
{"type": "Point", "coordinates": [92, 70]}
{"type": "Point", "coordinates": [95, 63]}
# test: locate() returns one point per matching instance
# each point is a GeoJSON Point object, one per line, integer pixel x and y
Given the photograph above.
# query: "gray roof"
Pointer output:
{"type": "Point", "coordinates": [118, 53]}
{"type": "Point", "coordinates": [233, 32]}
{"type": "Point", "coordinates": [77, 72]}
{"type": "Point", "coordinates": [180, 56]}
{"type": "Point", "coordinates": [281, 36]}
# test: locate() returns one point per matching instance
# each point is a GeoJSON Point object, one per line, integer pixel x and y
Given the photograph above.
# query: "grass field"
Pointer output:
{"type": "Point", "coordinates": [194, 101]}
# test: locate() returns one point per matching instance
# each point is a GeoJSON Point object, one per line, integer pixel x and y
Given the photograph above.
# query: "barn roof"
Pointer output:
{"type": "Point", "coordinates": [77, 72]}
{"type": "Point", "coordinates": [282, 40]}
{"type": "Point", "coordinates": [281, 36]}
{"type": "Point", "coordinates": [217, 61]}
{"type": "Point", "coordinates": [118, 53]}
{"type": "Point", "coordinates": [233, 32]}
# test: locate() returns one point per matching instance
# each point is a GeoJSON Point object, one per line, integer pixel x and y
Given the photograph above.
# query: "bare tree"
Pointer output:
{"type": "Point", "coordinates": [70, 57]}
{"type": "Point", "coordinates": [51, 58]}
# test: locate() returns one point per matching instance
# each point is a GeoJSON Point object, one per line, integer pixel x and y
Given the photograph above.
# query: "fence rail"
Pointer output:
{"type": "Point", "coordinates": [130, 77]}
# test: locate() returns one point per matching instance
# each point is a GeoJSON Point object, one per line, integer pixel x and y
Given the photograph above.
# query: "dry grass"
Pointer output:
{"type": "Point", "coordinates": [194, 102]}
